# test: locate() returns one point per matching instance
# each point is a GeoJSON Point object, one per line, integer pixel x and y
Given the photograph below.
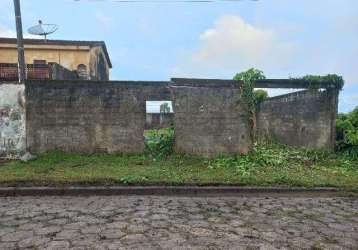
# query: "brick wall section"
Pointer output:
{"type": "Point", "coordinates": [208, 118]}
{"type": "Point", "coordinates": [87, 116]}
{"type": "Point", "coordinates": [304, 118]}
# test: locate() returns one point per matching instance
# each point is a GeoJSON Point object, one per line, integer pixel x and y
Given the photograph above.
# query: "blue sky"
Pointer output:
{"type": "Point", "coordinates": [156, 41]}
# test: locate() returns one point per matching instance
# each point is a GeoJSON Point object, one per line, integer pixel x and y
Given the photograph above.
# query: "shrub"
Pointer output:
{"type": "Point", "coordinates": [347, 133]}
{"type": "Point", "coordinates": [330, 80]}
{"type": "Point", "coordinates": [273, 155]}
{"type": "Point", "coordinates": [159, 143]}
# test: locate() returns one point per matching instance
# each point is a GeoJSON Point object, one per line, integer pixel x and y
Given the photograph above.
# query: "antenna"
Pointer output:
{"type": "Point", "coordinates": [43, 29]}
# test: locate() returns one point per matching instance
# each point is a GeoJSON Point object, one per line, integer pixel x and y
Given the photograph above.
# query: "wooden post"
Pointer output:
{"type": "Point", "coordinates": [20, 43]}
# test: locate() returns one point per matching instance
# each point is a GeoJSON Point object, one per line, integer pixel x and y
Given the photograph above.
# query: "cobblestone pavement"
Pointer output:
{"type": "Point", "coordinates": [150, 222]}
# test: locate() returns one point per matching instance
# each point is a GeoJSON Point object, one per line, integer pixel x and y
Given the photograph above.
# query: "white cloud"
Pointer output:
{"type": "Point", "coordinates": [5, 32]}
{"type": "Point", "coordinates": [233, 45]}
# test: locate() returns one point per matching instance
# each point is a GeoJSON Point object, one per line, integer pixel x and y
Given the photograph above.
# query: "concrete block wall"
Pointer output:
{"type": "Point", "coordinates": [208, 118]}
{"type": "Point", "coordinates": [305, 118]}
{"type": "Point", "coordinates": [98, 116]}
{"type": "Point", "coordinates": [85, 117]}
{"type": "Point", "coordinates": [58, 72]}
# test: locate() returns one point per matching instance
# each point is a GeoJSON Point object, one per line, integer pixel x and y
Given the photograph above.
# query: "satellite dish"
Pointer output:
{"type": "Point", "coordinates": [43, 29]}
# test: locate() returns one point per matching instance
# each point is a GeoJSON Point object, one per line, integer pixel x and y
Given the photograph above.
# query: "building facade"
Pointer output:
{"type": "Point", "coordinates": [89, 60]}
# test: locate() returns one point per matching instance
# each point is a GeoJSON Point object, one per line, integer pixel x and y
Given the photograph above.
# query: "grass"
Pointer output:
{"type": "Point", "coordinates": [268, 164]}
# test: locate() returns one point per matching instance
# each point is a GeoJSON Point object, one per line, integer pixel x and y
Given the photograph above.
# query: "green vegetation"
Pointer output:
{"type": "Point", "coordinates": [347, 133]}
{"type": "Point", "coordinates": [247, 89]}
{"type": "Point", "coordinates": [260, 95]}
{"type": "Point", "coordinates": [159, 143]}
{"type": "Point", "coordinates": [330, 80]}
{"type": "Point", "coordinates": [268, 164]}
{"type": "Point", "coordinates": [247, 94]}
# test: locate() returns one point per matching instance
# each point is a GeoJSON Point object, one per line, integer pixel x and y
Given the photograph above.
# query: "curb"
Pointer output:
{"type": "Point", "coordinates": [173, 191]}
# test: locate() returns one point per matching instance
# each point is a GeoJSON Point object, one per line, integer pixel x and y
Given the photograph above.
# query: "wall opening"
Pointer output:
{"type": "Point", "coordinates": [159, 114]}
{"type": "Point", "coordinates": [159, 128]}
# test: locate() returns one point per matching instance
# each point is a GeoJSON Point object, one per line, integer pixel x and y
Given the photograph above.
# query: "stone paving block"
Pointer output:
{"type": "Point", "coordinates": [58, 245]}
{"type": "Point", "coordinates": [186, 223]}
{"type": "Point", "coordinates": [17, 236]}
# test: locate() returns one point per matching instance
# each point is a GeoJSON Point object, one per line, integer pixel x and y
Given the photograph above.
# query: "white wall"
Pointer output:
{"type": "Point", "coordinates": [12, 120]}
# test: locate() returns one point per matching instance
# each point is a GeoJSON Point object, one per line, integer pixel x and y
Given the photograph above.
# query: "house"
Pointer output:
{"type": "Point", "coordinates": [56, 59]}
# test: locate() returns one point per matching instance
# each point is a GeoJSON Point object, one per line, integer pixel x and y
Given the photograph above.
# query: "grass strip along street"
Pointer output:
{"type": "Point", "coordinates": [269, 164]}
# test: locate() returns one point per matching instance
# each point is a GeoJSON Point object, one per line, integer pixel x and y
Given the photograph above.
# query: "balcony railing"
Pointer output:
{"type": "Point", "coordinates": [9, 71]}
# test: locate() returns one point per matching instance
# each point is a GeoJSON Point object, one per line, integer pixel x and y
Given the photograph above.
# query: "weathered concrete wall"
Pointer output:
{"type": "Point", "coordinates": [58, 72]}
{"type": "Point", "coordinates": [208, 118]}
{"type": "Point", "coordinates": [88, 116]}
{"type": "Point", "coordinates": [304, 118]}
{"type": "Point", "coordinates": [12, 120]}
{"type": "Point", "coordinates": [155, 91]}
{"type": "Point", "coordinates": [85, 117]}
{"type": "Point", "coordinates": [157, 120]}
{"type": "Point", "coordinates": [99, 68]}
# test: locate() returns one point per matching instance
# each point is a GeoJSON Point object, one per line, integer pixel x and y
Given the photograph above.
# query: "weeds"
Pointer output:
{"type": "Point", "coordinates": [268, 164]}
{"type": "Point", "coordinates": [273, 155]}
{"type": "Point", "coordinates": [159, 143]}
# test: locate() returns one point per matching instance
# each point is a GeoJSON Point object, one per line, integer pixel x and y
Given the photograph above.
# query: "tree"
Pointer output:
{"type": "Point", "coordinates": [164, 108]}
{"type": "Point", "coordinates": [260, 95]}
{"type": "Point", "coordinates": [347, 132]}
{"type": "Point", "coordinates": [250, 75]}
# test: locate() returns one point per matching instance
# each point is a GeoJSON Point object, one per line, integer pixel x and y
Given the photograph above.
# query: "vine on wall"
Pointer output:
{"type": "Point", "coordinates": [248, 79]}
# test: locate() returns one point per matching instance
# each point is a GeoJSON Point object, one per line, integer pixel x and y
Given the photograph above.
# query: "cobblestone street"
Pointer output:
{"type": "Point", "coordinates": [150, 222]}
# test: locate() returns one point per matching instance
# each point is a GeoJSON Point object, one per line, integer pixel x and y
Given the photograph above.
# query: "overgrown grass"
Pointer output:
{"type": "Point", "coordinates": [274, 164]}
{"type": "Point", "coordinates": [268, 164]}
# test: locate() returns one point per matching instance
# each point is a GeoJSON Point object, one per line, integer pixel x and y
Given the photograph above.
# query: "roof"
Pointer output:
{"type": "Point", "coordinates": [62, 42]}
